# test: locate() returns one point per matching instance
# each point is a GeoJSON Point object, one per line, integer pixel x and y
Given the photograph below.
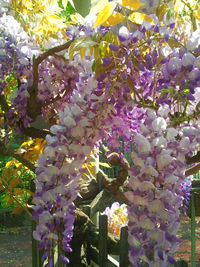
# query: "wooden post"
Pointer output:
{"type": "Point", "coordinates": [181, 263]}
{"type": "Point", "coordinates": [34, 247]}
{"type": "Point", "coordinates": [40, 253]}
{"type": "Point", "coordinates": [103, 220]}
{"type": "Point", "coordinates": [193, 226]}
{"type": "Point", "coordinates": [123, 257]}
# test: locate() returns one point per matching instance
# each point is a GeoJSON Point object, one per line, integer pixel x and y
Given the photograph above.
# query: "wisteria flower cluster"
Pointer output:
{"type": "Point", "coordinates": [130, 86]}
{"type": "Point", "coordinates": [158, 187]}
{"type": "Point", "coordinates": [16, 52]}
{"type": "Point", "coordinates": [102, 108]}
{"type": "Point", "coordinates": [60, 168]}
{"type": "Point", "coordinates": [181, 72]}
{"type": "Point", "coordinates": [13, 49]}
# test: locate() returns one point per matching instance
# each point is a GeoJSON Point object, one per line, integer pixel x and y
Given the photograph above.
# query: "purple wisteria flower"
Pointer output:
{"type": "Point", "coordinates": [158, 189]}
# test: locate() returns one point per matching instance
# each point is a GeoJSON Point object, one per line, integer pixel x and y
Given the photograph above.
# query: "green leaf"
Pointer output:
{"type": "Point", "coordinates": [66, 11]}
{"type": "Point", "coordinates": [82, 7]}
{"type": "Point", "coordinates": [169, 90]}
{"type": "Point", "coordinates": [163, 92]}
{"type": "Point", "coordinates": [94, 65]}
{"type": "Point", "coordinates": [185, 91]}
{"type": "Point", "coordinates": [103, 49]}
{"type": "Point", "coordinates": [64, 3]}
{"type": "Point", "coordinates": [82, 52]}
{"type": "Point", "coordinates": [79, 43]}
{"type": "Point", "coordinates": [161, 10]}
{"type": "Point", "coordinates": [198, 106]}
{"type": "Point", "coordinates": [71, 3]}
{"type": "Point", "coordinates": [169, 14]}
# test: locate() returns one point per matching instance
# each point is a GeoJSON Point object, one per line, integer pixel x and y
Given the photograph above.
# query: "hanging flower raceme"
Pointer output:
{"type": "Point", "coordinates": [16, 52]}
{"type": "Point", "coordinates": [84, 121]}
{"type": "Point", "coordinates": [15, 58]}
{"type": "Point", "coordinates": [157, 188]}
{"type": "Point", "coordinates": [60, 167]}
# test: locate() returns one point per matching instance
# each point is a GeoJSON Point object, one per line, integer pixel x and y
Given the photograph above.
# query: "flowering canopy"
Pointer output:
{"type": "Point", "coordinates": [108, 83]}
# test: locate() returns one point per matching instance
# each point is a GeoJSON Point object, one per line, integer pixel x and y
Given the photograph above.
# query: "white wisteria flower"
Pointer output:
{"type": "Point", "coordinates": [137, 160]}
{"type": "Point", "coordinates": [163, 111]}
{"type": "Point", "coordinates": [69, 122]}
{"type": "Point", "coordinates": [77, 131]}
{"type": "Point", "coordinates": [49, 151]}
{"type": "Point", "coordinates": [76, 110]}
{"type": "Point", "coordinates": [150, 170]}
{"type": "Point", "coordinates": [142, 143]}
{"type": "Point", "coordinates": [57, 128]}
{"type": "Point", "coordinates": [160, 142]}
{"type": "Point", "coordinates": [171, 134]}
{"type": "Point", "coordinates": [188, 59]}
{"type": "Point", "coordinates": [163, 160]}
{"type": "Point", "coordinates": [159, 124]}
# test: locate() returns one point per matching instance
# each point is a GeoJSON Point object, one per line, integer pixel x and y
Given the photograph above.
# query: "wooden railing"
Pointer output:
{"type": "Point", "coordinates": [99, 255]}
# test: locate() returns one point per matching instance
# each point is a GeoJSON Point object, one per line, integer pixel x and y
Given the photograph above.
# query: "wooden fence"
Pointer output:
{"type": "Point", "coordinates": [194, 207]}
{"type": "Point", "coordinates": [99, 255]}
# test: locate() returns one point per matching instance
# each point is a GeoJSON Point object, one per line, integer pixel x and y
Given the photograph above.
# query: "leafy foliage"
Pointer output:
{"type": "Point", "coordinates": [105, 14]}
{"type": "Point", "coordinates": [67, 10]}
{"type": "Point", "coordinates": [16, 179]}
{"type": "Point", "coordinates": [39, 17]}
{"type": "Point", "coordinates": [106, 17]}
{"type": "Point", "coordinates": [79, 43]}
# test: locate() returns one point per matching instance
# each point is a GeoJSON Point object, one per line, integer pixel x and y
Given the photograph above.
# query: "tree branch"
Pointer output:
{"type": "Point", "coordinates": [39, 59]}
{"type": "Point", "coordinates": [52, 51]}
{"type": "Point", "coordinates": [192, 170]}
{"type": "Point", "coordinates": [193, 159]}
{"type": "Point", "coordinates": [4, 151]}
{"type": "Point", "coordinates": [34, 107]}
{"type": "Point", "coordinates": [104, 190]}
{"type": "Point", "coordinates": [107, 196]}
{"type": "Point", "coordinates": [35, 133]}
{"type": "Point", "coordinates": [3, 103]}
